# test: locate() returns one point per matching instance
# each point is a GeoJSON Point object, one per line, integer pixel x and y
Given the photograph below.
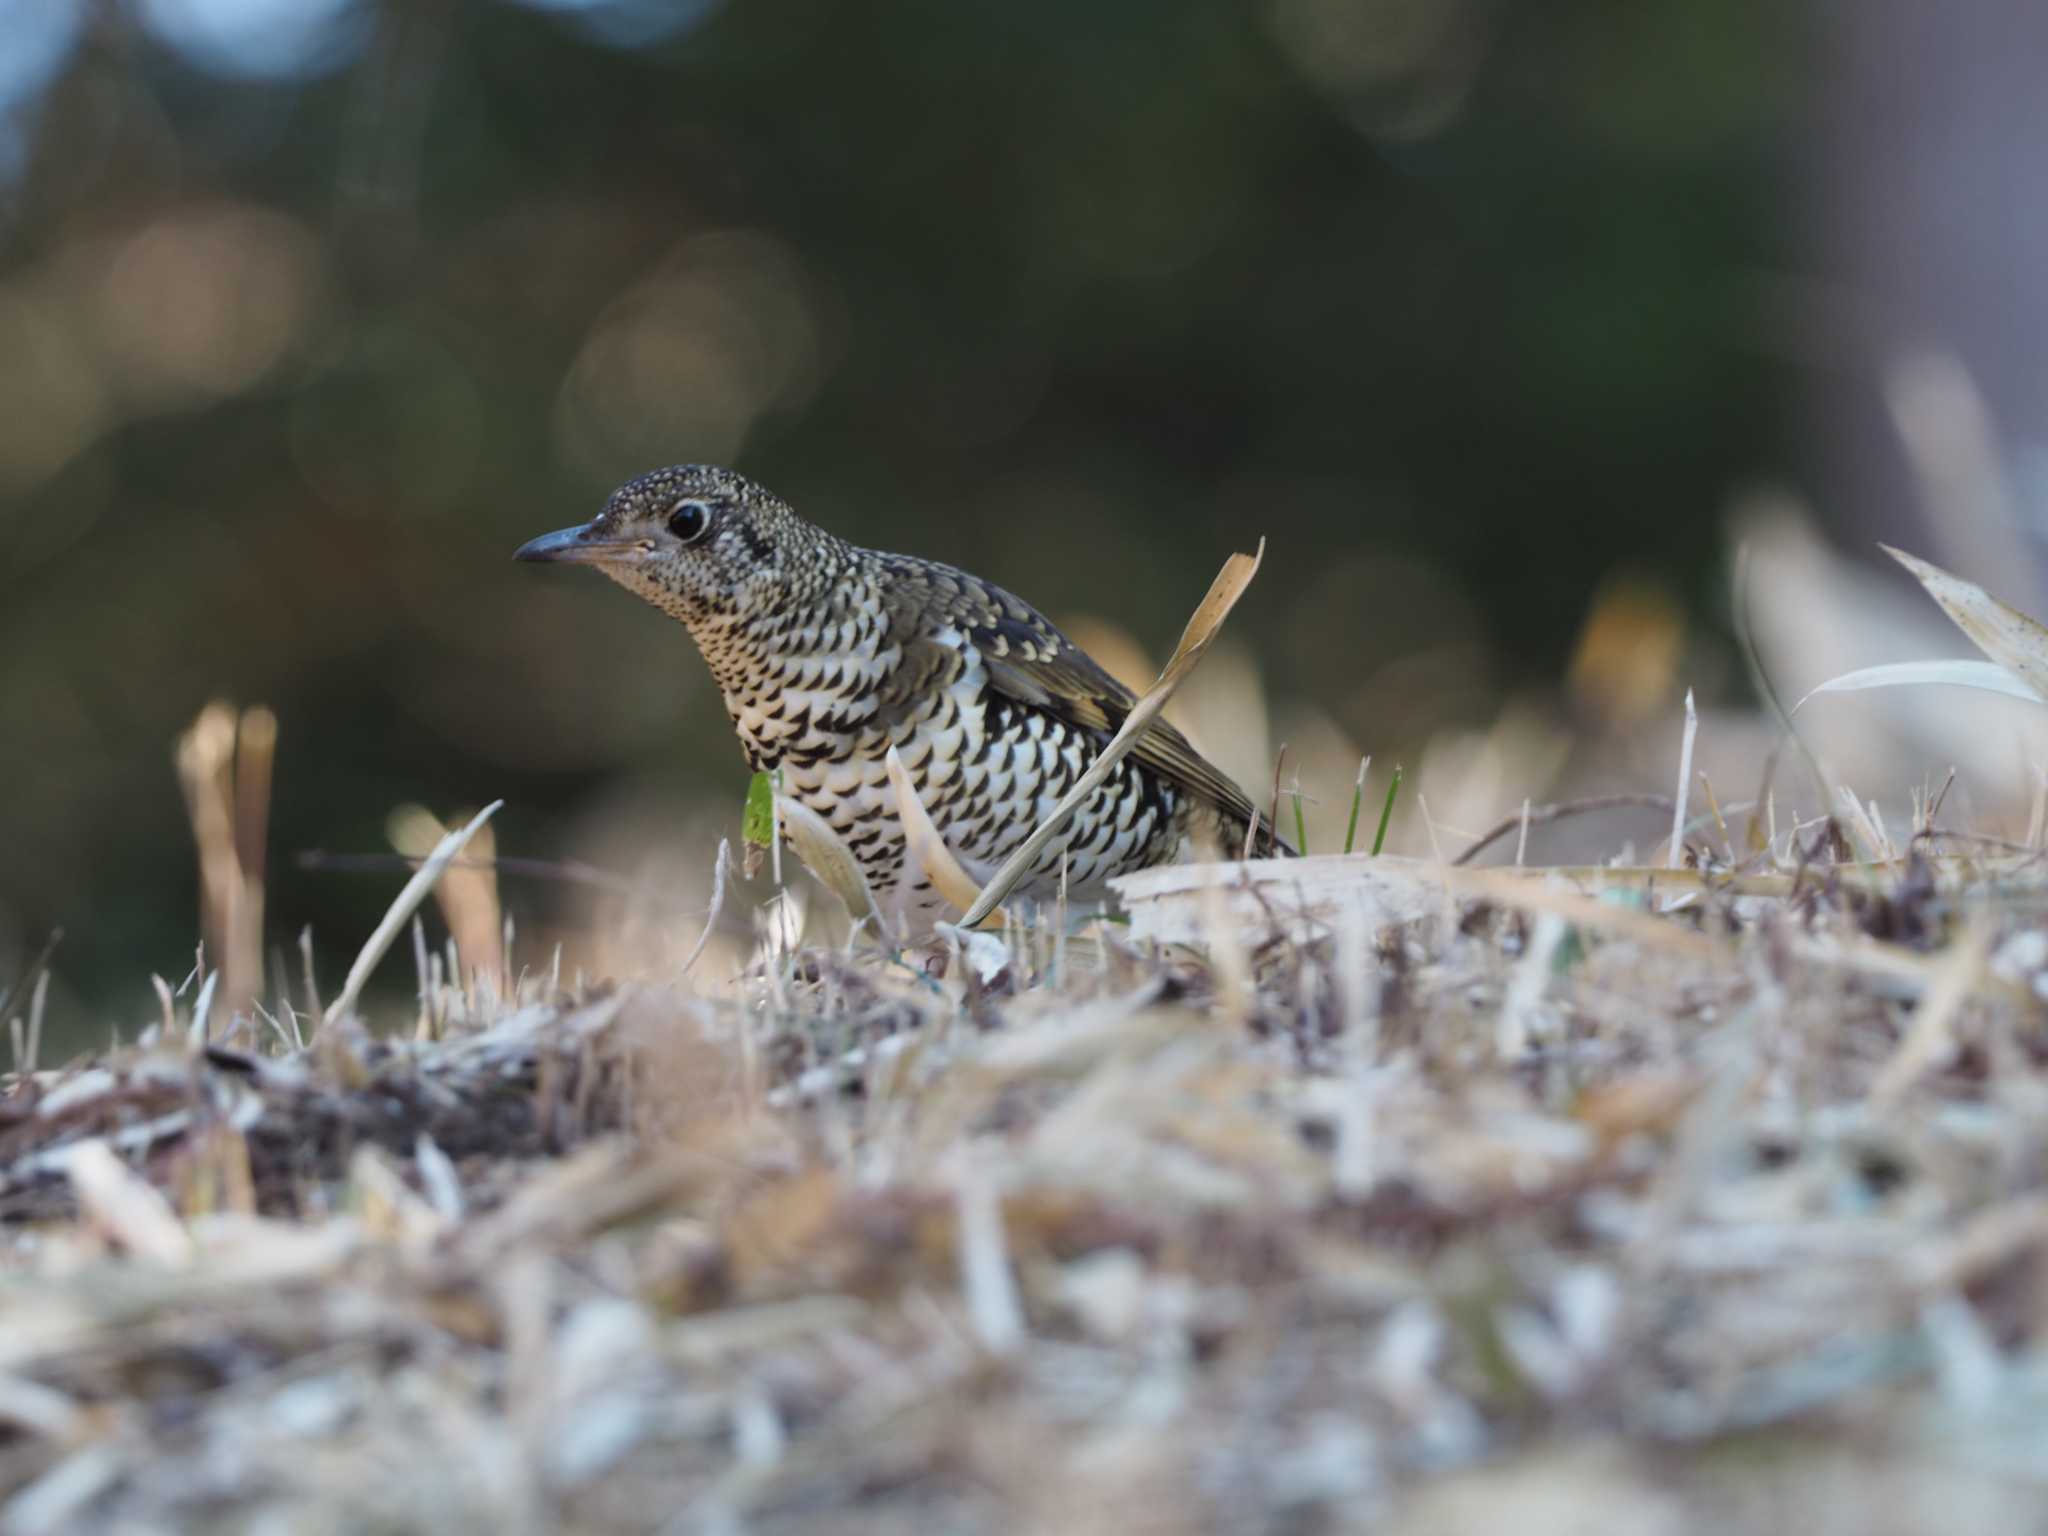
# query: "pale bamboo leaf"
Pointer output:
{"type": "Point", "coordinates": [1207, 619]}
{"type": "Point", "coordinates": [1988, 676]}
{"type": "Point", "coordinates": [2011, 638]}
{"type": "Point", "coordinates": [922, 843]}
{"type": "Point", "coordinates": [826, 856]}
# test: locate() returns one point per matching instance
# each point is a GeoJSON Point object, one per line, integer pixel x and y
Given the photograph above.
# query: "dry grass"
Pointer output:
{"type": "Point", "coordinates": [1434, 1200]}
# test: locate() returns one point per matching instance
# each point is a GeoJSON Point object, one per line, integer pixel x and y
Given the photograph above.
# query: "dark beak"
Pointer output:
{"type": "Point", "coordinates": [587, 545]}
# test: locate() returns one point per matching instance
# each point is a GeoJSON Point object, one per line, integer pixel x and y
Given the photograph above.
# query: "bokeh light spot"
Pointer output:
{"type": "Point", "coordinates": [52, 400]}
{"type": "Point", "coordinates": [260, 37]}
{"type": "Point", "coordinates": [35, 38]}
{"type": "Point", "coordinates": [629, 23]}
{"type": "Point", "coordinates": [685, 363]}
{"type": "Point", "coordinates": [205, 302]}
{"type": "Point", "coordinates": [391, 424]}
{"type": "Point", "coordinates": [1402, 68]}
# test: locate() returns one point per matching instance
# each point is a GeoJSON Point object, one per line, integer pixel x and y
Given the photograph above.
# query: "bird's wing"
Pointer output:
{"type": "Point", "coordinates": [1029, 661]}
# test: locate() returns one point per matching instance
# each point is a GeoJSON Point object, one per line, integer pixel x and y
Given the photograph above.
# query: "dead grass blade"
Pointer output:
{"type": "Point", "coordinates": [224, 766]}
{"type": "Point", "coordinates": [1195, 639]}
{"type": "Point", "coordinates": [401, 911]}
{"type": "Point", "coordinates": [125, 1207]}
{"type": "Point", "coordinates": [721, 875]}
{"type": "Point", "coordinates": [1539, 815]}
{"type": "Point", "coordinates": [467, 892]}
{"type": "Point", "coordinates": [1950, 981]}
{"type": "Point", "coordinates": [1676, 855]}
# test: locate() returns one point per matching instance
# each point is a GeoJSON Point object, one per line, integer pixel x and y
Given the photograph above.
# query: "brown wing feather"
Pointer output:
{"type": "Point", "coordinates": [1030, 661]}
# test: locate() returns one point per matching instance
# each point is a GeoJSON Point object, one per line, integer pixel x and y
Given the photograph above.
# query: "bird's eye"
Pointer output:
{"type": "Point", "coordinates": [689, 521]}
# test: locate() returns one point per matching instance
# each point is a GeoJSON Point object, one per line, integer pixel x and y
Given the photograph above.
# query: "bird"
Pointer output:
{"type": "Point", "coordinates": [827, 655]}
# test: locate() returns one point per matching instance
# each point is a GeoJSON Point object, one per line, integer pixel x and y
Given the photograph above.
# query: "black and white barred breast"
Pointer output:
{"type": "Point", "coordinates": [993, 713]}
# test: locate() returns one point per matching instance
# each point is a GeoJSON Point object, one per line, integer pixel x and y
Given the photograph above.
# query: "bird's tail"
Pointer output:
{"type": "Point", "coordinates": [1236, 836]}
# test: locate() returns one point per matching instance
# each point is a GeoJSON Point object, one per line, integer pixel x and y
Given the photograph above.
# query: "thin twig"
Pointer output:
{"type": "Point", "coordinates": [1273, 805]}
{"type": "Point", "coordinates": [1941, 799]}
{"type": "Point", "coordinates": [570, 871]}
{"type": "Point", "coordinates": [1543, 814]}
{"type": "Point", "coordinates": [1981, 840]}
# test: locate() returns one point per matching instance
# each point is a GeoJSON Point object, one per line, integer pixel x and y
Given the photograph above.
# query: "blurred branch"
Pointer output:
{"type": "Point", "coordinates": [29, 972]}
{"type": "Point", "coordinates": [570, 871]}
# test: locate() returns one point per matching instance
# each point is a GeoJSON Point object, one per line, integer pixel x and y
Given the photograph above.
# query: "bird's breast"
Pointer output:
{"type": "Point", "coordinates": [986, 770]}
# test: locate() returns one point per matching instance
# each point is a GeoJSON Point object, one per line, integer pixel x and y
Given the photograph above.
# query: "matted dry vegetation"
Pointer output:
{"type": "Point", "coordinates": [1324, 1194]}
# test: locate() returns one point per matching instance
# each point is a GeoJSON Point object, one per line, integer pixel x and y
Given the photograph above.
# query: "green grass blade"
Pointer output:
{"type": "Point", "coordinates": [1357, 799]}
{"type": "Point", "coordinates": [1379, 839]}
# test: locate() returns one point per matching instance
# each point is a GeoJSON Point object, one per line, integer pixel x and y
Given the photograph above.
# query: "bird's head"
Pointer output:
{"type": "Point", "coordinates": [699, 542]}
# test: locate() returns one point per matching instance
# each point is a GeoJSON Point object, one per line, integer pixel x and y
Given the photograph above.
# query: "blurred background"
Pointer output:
{"type": "Point", "coordinates": [1503, 324]}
